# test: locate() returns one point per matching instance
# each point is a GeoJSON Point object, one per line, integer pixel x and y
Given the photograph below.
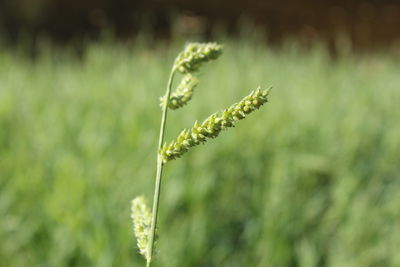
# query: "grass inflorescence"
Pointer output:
{"type": "Point", "coordinates": [183, 92]}
{"type": "Point", "coordinates": [187, 62]}
{"type": "Point", "coordinates": [213, 125]}
{"type": "Point", "coordinates": [141, 218]}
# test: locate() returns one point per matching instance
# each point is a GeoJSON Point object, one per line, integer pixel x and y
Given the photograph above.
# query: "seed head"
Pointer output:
{"type": "Point", "coordinates": [213, 125]}
{"type": "Point", "coordinates": [195, 54]}
{"type": "Point", "coordinates": [141, 217]}
{"type": "Point", "coordinates": [183, 92]}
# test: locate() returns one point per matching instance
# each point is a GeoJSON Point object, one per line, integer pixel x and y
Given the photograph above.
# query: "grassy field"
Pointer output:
{"type": "Point", "coordinates": [312, 179]}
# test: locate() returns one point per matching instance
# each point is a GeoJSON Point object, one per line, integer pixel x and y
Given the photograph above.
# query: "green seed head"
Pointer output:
{"type": "Point", "coordinates": [213, 125]}
{"type": "Point", "coordinates": [183, 92]}
{"type": "Point", "coordinates": [141, 217]}
{"type": "Point", "coordinates": [195, 54]}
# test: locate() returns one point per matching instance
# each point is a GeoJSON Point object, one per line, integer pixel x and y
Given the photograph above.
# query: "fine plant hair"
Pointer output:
{"type": "Point", "coordinates": [188, 63]}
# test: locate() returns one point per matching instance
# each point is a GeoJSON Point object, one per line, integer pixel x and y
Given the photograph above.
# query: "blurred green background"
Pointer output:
{"type": "Point", "coordinates": [311, 179]}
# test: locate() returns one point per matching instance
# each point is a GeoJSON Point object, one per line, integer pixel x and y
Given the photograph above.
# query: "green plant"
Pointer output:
{"type": "Point", "coordinates": [67, 171]}
{"type": "Point", "coordinates": [188, 63]}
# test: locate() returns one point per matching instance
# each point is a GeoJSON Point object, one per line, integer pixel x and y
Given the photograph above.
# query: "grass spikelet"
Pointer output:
{"type": "Point", "coordinates": [183, 92]}
{"type": "Point", "coordinates": [195, 54]}
{"type": "Point", "coordinates": [141, 218]}
{"type": "Point", "coordinates": [213, 125]}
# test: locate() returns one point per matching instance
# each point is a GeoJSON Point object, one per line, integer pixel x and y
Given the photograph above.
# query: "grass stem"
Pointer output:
{"type": "Point", "coordinates": [159, 170]}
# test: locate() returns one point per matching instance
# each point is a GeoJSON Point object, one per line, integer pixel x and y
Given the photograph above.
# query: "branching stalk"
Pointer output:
{"type": "Point", "coordinates": [187, 63]}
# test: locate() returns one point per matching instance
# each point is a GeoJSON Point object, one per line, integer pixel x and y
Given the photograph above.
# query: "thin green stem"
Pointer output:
{"type": "Point", "coordinates": [159, 170]}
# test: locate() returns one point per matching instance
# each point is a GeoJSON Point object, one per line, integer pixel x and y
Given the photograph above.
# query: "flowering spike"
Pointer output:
{"type": "Point", "coordinates": [195, 54]}
{"type": "Point", "coordinates": [213, 125]}
{"type": "Point", "coordinates": [141, 217]}
{"type": "Point", "coordinates": [183, 92]}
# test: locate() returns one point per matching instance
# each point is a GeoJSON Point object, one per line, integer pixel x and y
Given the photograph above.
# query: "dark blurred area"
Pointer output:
{"type": "Point", "coordinates": [365, 24]}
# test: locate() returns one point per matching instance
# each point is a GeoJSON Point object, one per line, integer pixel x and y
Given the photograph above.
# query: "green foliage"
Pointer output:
{"type": "Point", "coordinates": [314, 182]}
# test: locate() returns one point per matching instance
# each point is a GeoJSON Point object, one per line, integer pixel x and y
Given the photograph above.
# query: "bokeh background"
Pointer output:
{"type": "Point", "coordinates": [312, 179]}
